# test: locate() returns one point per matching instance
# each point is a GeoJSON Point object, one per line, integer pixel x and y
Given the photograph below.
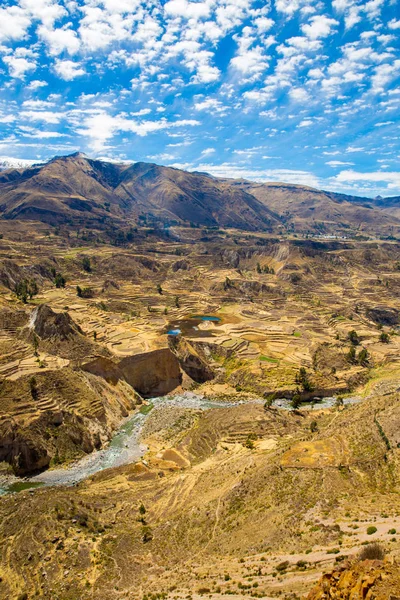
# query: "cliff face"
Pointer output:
{"type": "Point", "coordinates": [365, 580]}
{"type": "Point", "coordinates": [152, 374]}
{"type": "Point", "coordinates": [190, 359]}
{"type": "Point", "coordinates": [56, 416]}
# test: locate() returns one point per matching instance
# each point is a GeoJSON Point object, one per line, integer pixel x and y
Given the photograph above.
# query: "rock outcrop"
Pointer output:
{"type": "Point", "coordinates": [48, 324]}
{"type": "Point", "coordinates": [364, 580]}
{"type": "Point", "coordinates": [190, 360]}
{"type": "Point", "coordinates": [153, 373]}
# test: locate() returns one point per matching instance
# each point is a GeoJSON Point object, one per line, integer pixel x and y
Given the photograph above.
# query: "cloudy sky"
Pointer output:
{"type": "Point", "coordinates": [302, 91]}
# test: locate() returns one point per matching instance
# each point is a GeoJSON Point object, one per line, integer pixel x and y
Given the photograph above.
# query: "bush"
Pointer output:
{"type": "Point", "coordinates": [147, 534]}
{"type": "Point", "coordinates": [59, 280]}
{"type": "Point", "coordinates": [372, 552]}
{"type": "Point", "coordinates": [363, 357]}
{"type": "Point", "coordinates": [282, 566]}
{"type": "Point", "coordinates": [353, 337]}
{"type": "Point", "coordinates": [384, 338]}
{"type": "Point", "coordinates": [86, 292]}
{"type": "Point", "coordinates": [371, 530]}
{"type": "Point", "coordinates": [86, 264]}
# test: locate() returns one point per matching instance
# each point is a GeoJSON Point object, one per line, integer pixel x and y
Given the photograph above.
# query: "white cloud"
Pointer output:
{"type": "Point", "coordinates": [68, 70]}
{"type": "Point", "coordinates": [19, 66]}
{"type": "Point", "coordinates": [392, 179]}
{"type": "Point", "coordinates": [305, 123]}
{"type": "Point", "coordinates": [338, 163]}
{"type": "Point", "coordinates": [46, 116]}
{"type": "Point", "coordinates": [319, 27]}
{"type": "Point", "coordinates": [393, 24]}
{"type": "Point", "coordinates": [207, 152]}
{"type": "Point", "coordinates": [210, 105]}
{"type": "Point", "coordinates": [102, 127]}
{"type": "Point", "coordinates": [299, 94]}
{"type": "Point", "coordinates": [14, 23]}
{"type": "Point", "coordinates": [232, 171]}
{"type": "Point", "coordinates": [37, 84]}
{"type": "Point", "coordinates": [59, 40]}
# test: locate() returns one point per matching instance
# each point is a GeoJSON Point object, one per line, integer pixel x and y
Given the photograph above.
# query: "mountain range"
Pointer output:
{"type": "Point", "coordinates": [79, 191]}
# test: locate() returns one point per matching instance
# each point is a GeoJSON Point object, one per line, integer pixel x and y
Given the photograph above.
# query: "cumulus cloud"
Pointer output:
{"type": "Point", "coordinates": [68, 70]}
{"type": "Point", "coordinates": [319, 26]}
{"type": "Point", "coordinates": [19, 66]}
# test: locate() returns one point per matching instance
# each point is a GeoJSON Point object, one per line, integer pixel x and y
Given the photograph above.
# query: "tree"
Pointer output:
{"type": "Point", "coordinates": [384, 338]}
{"type": "Point", "coordinates": [86, 264]}
{"type": "Point", "coordinates": [303, 380]}
{"type": "Point", "coordinates": [353, 337]}
{"type": "Point", "coordinates": [59, 281]}
{"type": "Point", "coordinates": [79, 291]}
{"type": "Point", "coordinates": [314, 426]}
{"type": "Point", "coordinates": [26, 289]}
{"type": "Point", "coordinates": [363, 357]}
{"type": "Point", "coordinates": [159, 289]}
{"type": "Point", "coordinates": [34, 388]}
{"type": "Point", "coordinates": [177, 303]}
{"type": "Point", "coordinates": [296, 401]}
{"type": "Point", "coordinates": [259, 268]}
{"type": "Point", "coordinates": [351, 355]}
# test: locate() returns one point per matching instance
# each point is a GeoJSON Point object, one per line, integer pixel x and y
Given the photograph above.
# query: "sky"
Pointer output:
{"type": "Point", "coordinates": [301, 91]}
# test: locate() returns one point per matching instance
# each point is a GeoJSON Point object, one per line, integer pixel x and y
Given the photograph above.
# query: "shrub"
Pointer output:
{"type": "Point", "coordinates": [384, 338]}
{"type": "Point", "coordinates": [353, 337]}
{"type": "Point", "coordinates": [147, 534]}
{"type": "Point", "coordinates": [363, 357]}
{"type": "Point", "coordinates": [392, 531]}
{"type": "Point", "coordinates": [351, 355]}
{"type": "Point", "coordinates": [296, 401]}
{"type": "Point", "coordinates": [86, 292]}
{"type": "Point", "coordinates": [86, 265]}
{"type": "Point", "coordinates": [372, 552]}
{"type": "Point", "coordinates": [59, 281]}
{"type": "Point", "coordinates": [371, 530]}
{"type": "Point", "coordinates": [282, 566]}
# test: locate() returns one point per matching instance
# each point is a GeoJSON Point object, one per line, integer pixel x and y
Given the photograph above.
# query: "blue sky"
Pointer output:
{"type": "Point", "coordinates": [301, 91]}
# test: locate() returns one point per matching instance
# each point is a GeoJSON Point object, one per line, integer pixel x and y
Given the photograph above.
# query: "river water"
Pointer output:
{"type": "Point", "coordinates": [126, 447]}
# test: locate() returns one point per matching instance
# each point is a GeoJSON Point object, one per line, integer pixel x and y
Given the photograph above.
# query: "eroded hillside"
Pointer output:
{"type": "Point", "coordinates": [287, 467]}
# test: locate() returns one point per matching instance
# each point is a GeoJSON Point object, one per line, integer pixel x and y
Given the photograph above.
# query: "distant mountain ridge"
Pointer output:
{"type": "Point", "coordinates": [80, 191]}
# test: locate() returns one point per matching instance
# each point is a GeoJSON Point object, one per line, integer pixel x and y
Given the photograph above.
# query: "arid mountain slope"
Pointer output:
{"type": "Point", "coordinates": [307, 209]}
{"type": "Point", "coordinates": [80, 191]}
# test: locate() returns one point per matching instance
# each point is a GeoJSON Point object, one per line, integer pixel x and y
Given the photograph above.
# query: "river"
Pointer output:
{"type": "Point", "coordinates": [125, 447]}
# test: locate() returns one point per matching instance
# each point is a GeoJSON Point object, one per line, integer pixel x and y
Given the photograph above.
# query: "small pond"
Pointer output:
{"type": "Point", "coordinates": [190, 326]}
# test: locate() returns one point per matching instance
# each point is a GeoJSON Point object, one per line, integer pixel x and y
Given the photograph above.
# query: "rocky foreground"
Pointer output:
{"type": "Point", "coordinates": [369, 579]}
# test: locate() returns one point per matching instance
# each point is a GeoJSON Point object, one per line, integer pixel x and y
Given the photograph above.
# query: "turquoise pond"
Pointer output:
{"type": "Point", "coordinates": [190, 326]}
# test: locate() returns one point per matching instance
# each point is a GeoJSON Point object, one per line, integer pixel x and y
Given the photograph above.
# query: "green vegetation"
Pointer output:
{"type": "Point", "coordinates": [372, 551]}
{"type": "Point", "coordinates": [86, 264]}
{"type": "Point", "coordinates": [371, 530]}
{"type": "Point", "coordinates": [86, 292]}
{"type": "Point", "coordinates": [26, 289]}
{"type": "Point", "coordinates": [353, 337]}
{"type": "Point", "coordinates": [268, 359]}
{"type": "Point", "coordinates": [384, 338]}
{"type": "Point", "coordinates": [59, 280]}
{"type": "Point", "coordinates": [302, 379]}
